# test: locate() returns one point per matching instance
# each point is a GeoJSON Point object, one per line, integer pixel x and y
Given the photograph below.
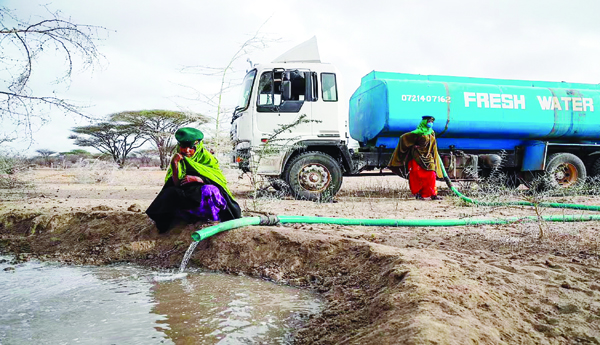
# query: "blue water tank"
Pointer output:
{"type": "Point", "coordinates": [473, 113]}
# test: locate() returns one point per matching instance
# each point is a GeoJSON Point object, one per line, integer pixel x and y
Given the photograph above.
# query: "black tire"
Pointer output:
{"type": "Point", "coordinates": [564, 170]}
{"type": "Point", "coordinates": [314, 176]}
{"type": "Point", "coordinates": [280, 185]}
{"type": "Point", "coordinates": [596, 168]}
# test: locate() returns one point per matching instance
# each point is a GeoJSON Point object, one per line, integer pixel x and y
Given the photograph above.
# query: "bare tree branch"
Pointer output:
{"type": "Point", "coordinates": [21, 44]}
{"type": "Point", "coordinates": [256, 42]}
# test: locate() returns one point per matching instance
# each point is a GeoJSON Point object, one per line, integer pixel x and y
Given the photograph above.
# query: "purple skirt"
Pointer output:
{"type": "Point", "coordinates": [211, 203]}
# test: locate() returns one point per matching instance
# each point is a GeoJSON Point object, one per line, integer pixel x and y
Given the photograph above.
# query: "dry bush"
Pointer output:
{"type": "Point", "coordinates": [263, 192]}
{"type": "Point", "coordinates": [12, 167]}
{"type": "Point", "coordinates": [258, 193]}
{"type": "Point", "coordinates": [14, 183]}
{"type": "Point", "coordinates": [590, 187]}
{"type": "Point", "coordinates": [577, 239]}
{"type": "Point", "coordinates": [94, 171]}
{"type": "Point", "coordinates": [107, 172]}
{"type": "Point", "coordinates": [569, 238]}
{"type": "Point", "coordinates": [494, 189]}
{"type": "Point", "coordinates": [134, 176]}
{"type": "Point", "coordinates": [385, 187]}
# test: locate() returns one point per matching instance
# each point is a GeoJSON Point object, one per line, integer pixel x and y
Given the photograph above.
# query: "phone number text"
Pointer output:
{"type": "Point", "coordinates": [421, 98]}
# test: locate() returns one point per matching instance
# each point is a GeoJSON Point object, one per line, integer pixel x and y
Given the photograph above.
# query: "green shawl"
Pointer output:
{"type": "Point", "coordinates": [422, 129]}
{"type": "Point", "coordinates": [204, 164]}
{"type": "Point", "coordinates": [419, 145]}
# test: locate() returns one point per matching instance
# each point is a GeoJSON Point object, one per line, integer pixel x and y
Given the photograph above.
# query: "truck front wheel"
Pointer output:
{"type": "Point", "coordinates": [314, 176]}
{"type": "Point", "coordinates": [565, 170]}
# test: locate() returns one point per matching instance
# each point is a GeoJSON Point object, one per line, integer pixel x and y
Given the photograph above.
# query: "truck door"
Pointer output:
{"type": "Point", "coordinates": [327, 108]}
{"type": "Point", "coordinates": [274, 110]}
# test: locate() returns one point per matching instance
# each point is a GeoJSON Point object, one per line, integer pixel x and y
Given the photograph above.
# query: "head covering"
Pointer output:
{"type": "Point", "coordinates": [427, 117]}
{"type": "Point", "coordinates": [186, 136]}
{"type": "Point", "coordinates": [204, 164]}
{"type": "Point", "coordinates": [422, 129]}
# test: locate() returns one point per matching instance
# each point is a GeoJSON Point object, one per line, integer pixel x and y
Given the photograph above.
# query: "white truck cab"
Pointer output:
{"type": "Point", "coordinates": [313, 154]}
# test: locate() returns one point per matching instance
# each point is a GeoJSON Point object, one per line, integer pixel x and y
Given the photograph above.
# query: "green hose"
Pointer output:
{"type": "Point", "coordinates": [273, 220]}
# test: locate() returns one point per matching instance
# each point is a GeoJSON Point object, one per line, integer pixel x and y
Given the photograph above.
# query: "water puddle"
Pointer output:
{"type": "Point", "coordinates": [46, 303]}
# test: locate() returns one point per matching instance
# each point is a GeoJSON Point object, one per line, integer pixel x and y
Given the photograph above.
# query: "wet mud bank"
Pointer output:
{"type": "Point", "coordinates": [375, 294]}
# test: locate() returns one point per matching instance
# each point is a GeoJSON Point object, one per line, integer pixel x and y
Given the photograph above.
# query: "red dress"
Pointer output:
{"type": "Point", "coordinates": [421, 181]}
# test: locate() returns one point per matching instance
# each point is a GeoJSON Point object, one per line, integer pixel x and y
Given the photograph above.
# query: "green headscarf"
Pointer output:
{"type": "Point", "coordinates": [204, 163]}
{"type": "Point", "coordinates": [422, 129]}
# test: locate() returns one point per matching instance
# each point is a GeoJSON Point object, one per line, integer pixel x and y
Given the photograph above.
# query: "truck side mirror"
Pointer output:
{"type": "Point", "coordinates": [286, 90]}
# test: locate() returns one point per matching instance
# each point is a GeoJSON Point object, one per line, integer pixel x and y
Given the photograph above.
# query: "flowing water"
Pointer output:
{"type": "Point", "coordinates": [46, 303]}
{"type": "Point", "coordinates": [187, 256]}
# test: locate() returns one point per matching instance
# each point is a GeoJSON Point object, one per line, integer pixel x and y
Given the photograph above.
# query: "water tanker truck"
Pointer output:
{"type": "Point", "coordinates": [521, 128]}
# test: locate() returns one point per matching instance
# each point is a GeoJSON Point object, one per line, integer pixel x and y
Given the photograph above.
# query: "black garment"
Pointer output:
{"type": "Point", "coordinates": [163, 210]}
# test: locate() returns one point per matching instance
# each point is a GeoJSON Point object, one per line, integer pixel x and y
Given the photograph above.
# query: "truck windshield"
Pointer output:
{"type": "Point", "coordinates": [246, 89]}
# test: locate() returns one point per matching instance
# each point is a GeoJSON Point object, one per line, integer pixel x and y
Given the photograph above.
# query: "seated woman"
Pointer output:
{"type": "Point", "coordinates": [195, 188]}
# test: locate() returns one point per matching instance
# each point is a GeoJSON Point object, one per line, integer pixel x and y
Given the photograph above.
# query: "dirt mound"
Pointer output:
{"type": "Point", "coordinates": [375, 293]}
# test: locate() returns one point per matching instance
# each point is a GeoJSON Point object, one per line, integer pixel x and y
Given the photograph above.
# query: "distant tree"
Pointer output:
{"type": "Point", "coordinates": [45, 154]}
{"type": "Point", "coordinates": [75, 155]}
{"type": "Point", "coordinates": [103, 156]}
{"type": "Point", "coordinates": [115, 139]}
{"type": "Point", "coordinates": [77, 152]}
{"type": "Point", "coordinates": [159, 126]}
{"type": "Point", "coordinates": [21, 44]}
{"type": "Point", "coordinates": [147, 157]}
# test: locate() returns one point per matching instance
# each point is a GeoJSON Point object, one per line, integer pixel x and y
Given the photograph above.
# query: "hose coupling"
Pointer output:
{"type": "Point", "coordinates": [269, 220]}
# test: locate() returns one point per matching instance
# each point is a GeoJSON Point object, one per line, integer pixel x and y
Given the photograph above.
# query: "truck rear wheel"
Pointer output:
{"type": "Point", "coordinates": [314, 176]}
{"type": "Point", "coordinates": [565, 170]}
{"type": "Point", "coordinates": [596, 168]}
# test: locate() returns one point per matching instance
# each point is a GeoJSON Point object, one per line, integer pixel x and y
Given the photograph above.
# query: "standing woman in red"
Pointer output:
{"type": "Point", "coordinates": [417, 153]}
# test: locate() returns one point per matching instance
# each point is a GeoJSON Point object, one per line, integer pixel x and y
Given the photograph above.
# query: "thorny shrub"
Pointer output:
{"type": "Point", "coordinates": [11, 167]}
{"type": "Point", "coordinates": [94, 171]}
{"type": "Point", "coordinates": [367, 188]}
{"type": "Point", "coordinates": [562, 237]}
{"type": "Point", "coordinates": [494, 189]}
{"type": "Point", "coordinates": [273, 146]}
{"type": "Point", "coordinates": [559, 239]}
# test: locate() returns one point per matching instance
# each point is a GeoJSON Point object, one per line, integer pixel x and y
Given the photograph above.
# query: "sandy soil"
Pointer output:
{"type": "Point", "coordinates": [455, 285]}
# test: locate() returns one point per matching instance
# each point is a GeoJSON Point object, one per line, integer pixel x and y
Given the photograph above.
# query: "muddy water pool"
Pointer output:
{"type": "Point", "coordinates": [49, 303]}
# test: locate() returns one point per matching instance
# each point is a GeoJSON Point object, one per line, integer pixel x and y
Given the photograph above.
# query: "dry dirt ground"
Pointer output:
{"type": "Point", "coordinates": [498, 284]}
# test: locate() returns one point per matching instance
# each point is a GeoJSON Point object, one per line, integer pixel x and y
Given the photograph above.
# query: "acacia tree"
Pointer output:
{"type": "Point", "coordinates": [21, 45]}
{"type": "Point", "coordinates": [75, 155]}
{"type": "Point", "coordinates": [45, 154]}
{"type": "Point", "coordinates": [159, 126]}
{"type": "Point", "coordinates": [115, 139]}
{"type": "Point", "coordinates": [77, 152]}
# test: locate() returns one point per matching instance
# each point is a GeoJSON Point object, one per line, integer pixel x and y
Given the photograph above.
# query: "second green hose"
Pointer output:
{"type": "Point", "coordinates": [513, 203]}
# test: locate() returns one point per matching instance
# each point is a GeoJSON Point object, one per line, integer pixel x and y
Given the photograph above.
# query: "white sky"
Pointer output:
{"type": "Point", "coordinates": [150, 41]}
